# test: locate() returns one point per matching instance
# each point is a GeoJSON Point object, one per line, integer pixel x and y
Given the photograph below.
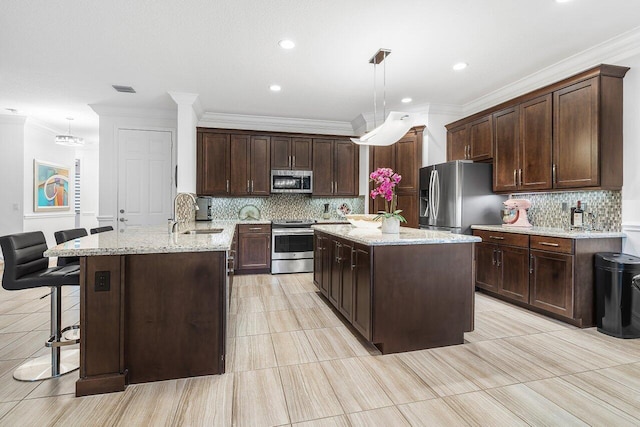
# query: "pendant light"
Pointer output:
{"type": "Point", "coordinates": [68, 139]}
{"type": "Point", "coordinates": [396, 124]}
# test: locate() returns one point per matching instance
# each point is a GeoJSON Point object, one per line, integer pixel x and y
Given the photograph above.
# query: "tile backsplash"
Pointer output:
{"type": "Point", "coordinates": [546, 208]}
{"type": "Point", "coordinates": [285, 206]}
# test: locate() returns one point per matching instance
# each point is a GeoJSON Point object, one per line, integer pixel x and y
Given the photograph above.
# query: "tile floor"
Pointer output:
{"type": "Point", "coordinates": [292, 361]}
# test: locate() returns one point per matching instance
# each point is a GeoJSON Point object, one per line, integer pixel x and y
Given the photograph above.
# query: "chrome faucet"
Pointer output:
{"type": "Point", "coordinates": [173, 223]}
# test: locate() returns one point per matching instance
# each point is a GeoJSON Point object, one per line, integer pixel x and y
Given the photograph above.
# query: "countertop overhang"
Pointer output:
{"type": "Point", "coordinates": [407, 236]}
{"type": "Point", "coordinates": [551, 232]}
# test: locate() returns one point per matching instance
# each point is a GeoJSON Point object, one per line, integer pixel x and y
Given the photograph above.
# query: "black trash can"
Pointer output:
{"type": "Point", "coordinates": [618, 294]}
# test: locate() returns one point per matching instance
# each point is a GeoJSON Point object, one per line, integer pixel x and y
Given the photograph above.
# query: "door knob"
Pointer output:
{"type": "Point", "coordinates": [121, 210]}
{"type": "Point", "coordinates": [123, 220]}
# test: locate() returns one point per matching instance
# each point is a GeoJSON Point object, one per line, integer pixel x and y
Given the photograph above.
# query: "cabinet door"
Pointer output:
{"type": "Point", "coordinates": [345, 305]}
{"type": "Point", "coordinates": [408, 162]}
{"type": "Point", "coordinates": [336, 272]}
{"type": "Point", "coordinates": [301, 154]}
{"type": "Point", "coordinates": [481, 139]}
{"type": "Point", "coordinates": [575, 144]}
{"type": "Point", "coordinates": [361, 319]}
{"type": "Point", "coordinates": [240, 178]}
{"type": "Point", "coordinates": [280, 153]}
{"type": "Point", "coordinates": [322, 167]}
{"type": "Point", "coordinates": [457, 143]}
{"type": "Point", "coordinates": [318, 244]}
{"type": "Point", "coordinates": [380, 157]}
{"type": "Point", "coordinates": [254, 251]}
{"type": "Point", "coordinates": [408, 203]}
{"type": "Point", "coordinates": [260, 165]}
{"type": "Point", "coordinates": [327, 254]}
{"type": "Point", "coordinates": [213, 164]}
{"type": "Point", "coordinates": [535, 143]}
{"type": "Point", "coordinates": [551, 282]}
{"type": "Point", "coordinates": [513, 267]}
{"type": "Point", "coordinates": [506, 161]}
{"type": "Point", "coordinates": [346, 156]}
{"type": "Point", "coordinates": [486, 266]}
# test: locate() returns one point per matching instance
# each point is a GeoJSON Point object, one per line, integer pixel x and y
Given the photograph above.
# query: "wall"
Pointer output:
{"type": "Point", "coordinates": [11, 173]}
{"type": "Point", "coordinates": [434, 149]}
{"type": "Point", "coordinates": [89, 190]}
{"type": "Point", "coordinates": [39, 144]}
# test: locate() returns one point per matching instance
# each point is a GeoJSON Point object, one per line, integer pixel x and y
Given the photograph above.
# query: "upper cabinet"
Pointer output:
{"type": "Point", "coordinates": [335, 167]}
{"type": "Point", "coordinates": [213, 167]}
{"type": "Point", "coordinates": [250, 174]}
{"type": "Point", "coordinates": [405, 158]}
{"type": "Point", "coordinates": [291, 153]}
{"type": "Point", "coordinates": [471, 141]}
{"type": "Point", "coordinates": [567, 135]}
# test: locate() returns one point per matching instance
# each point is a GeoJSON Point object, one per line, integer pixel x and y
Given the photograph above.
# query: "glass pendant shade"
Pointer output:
{"type": "Point", "coordinates": [68, 139]}
{"type": "Point", "coordinates": [388, 133]}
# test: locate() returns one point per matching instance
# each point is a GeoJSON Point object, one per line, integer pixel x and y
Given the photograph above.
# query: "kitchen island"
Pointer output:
{"type": "Point", "coordinates": [401, 292]}
{"type": "Point", "coordinates": [153, 305]}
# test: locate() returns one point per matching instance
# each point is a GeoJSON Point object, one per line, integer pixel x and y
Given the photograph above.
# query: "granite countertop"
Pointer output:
{"type": "Point", "coordinates": [407, 236]}
{"type": "Point", "coordinates": [551, 232]}
{"type": "Point", "coordinates": [151, 240]}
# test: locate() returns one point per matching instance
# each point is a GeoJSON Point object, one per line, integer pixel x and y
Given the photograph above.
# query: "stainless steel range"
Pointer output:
{"type": "Point", "coordinates": [292, 246]}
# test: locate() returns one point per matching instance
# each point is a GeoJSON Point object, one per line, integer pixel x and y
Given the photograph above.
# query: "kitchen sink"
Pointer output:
{"type": "Point", "coordinates": [204, 231]}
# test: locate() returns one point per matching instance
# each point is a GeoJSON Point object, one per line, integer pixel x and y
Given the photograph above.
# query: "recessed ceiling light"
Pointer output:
{"type": "Point", "coordinates": [406, 100]}
{"type": "Point", "coordinates": [286, 44]}
{"type": "Point", "coordinates": [460, 66]}
{"type": "Point", "coordinates": [275, 88]}
{"type": "Point", "coordinates": [12, 110]}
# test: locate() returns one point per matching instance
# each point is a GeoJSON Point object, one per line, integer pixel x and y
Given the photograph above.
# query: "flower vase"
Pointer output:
{"type": "Point", "coordinates": [391, 225]}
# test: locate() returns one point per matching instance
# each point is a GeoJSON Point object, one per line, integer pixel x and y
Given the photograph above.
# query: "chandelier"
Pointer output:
{"type": "Point", "coordinates": [68, 139]}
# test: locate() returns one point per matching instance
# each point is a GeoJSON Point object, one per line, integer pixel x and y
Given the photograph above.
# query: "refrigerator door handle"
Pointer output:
{"type": "Point", "coordinates": [431, 196]}
{"type": "Point", "coordinates": [436, 191]}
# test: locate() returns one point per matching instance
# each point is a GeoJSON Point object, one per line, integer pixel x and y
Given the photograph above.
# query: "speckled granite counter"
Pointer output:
{"type": "Point", "coordinates": [551, 232]}
{"type": "Point", "coordinates": [407, 236]}
{"type": "Point", "coordinates": [152, 240]}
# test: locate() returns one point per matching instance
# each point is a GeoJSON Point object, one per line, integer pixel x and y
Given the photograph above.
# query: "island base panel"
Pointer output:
{"type": "Point", "coordinates": [422, 296]}
{"type": "Point", "coordinates": [101, 384]}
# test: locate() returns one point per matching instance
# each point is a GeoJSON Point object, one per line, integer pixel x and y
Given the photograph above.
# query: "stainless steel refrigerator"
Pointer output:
{"type": "Point", "coordinates": [458, 194]}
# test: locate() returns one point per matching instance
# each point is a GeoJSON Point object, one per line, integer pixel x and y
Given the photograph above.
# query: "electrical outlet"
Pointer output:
{"type": "Point", "coordinates": [103, 281]}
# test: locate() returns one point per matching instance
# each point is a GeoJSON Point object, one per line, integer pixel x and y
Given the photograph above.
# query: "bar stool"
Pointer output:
{"type": "Point", "coordinates": [65, 236]}
{"type": "Point", "coordinates": [24, 268]}
{"type": "Point", "coordinates": [101, 229]}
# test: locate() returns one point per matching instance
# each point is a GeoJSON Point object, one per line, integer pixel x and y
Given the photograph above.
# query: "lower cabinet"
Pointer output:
{"type": "Point", "coordinates": [551, 275]}
{"type": "Point", "coordinates": [254, 248]}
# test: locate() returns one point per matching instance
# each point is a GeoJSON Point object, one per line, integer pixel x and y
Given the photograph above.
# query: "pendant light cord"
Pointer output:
{"type": "Point", "coordinates": [375, 100]}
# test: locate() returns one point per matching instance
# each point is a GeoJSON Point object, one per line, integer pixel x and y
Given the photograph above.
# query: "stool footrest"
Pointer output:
{"type": "Point", "coordinates": [61, 342]}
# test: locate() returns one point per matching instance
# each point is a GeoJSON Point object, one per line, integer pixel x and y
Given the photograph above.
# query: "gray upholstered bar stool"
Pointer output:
{"type": "Point", "coordinates": [24, 268]}
{"type": "Point", "coordinates": [101, 229]}
{"type": "Point", "coordinates": [65, 236]}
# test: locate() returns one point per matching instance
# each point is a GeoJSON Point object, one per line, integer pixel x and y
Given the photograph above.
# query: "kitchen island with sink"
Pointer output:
{"type": "Point", "coordinates": [153, 304]}
{"type": "Point", "coordinates": [401, 292]}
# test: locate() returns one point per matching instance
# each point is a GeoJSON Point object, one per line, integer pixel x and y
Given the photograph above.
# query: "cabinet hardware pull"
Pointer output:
{"type": "Point", "coordinates": [554, 174]}
{"type": "Point", "coordinates": [294, 161]}
{"type": "Point", "coordinates": [247, 186]}
{"type": "Point", "coordinates": [252, 186]}
{"type": "Point", "coordinates": [227, 186]}
{"type": "Point", "coordinates": [493, 257]}
{"type": "Point", "coordinates": [255, 228]}
{"type": "Point", "coordinates": [531, 261]}
{"type": "Point", "coordinates": [520, 177]}
{"type": "Point", "coordinates": [466, 152]}
{"type": "Point", "coordinates": [555, 245]}
{"type": "Point", "coordinates": [352, 264]}
{"type": "Point", "coordinates": [499, 263]}
{"type": "Point", "coordinates": [496, 237]}
{"type": "Point", "coordinates": [289, 161]}
{"type": "Point", "coordinates": [515, 179]}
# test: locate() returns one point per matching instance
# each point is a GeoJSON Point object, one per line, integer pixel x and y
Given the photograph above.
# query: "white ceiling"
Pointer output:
{"type": "Point", "coordinates": [59, 57]}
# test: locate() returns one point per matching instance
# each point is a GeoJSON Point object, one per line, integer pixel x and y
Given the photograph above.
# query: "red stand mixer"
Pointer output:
{"type": "Point", "coordinates": [514, 213]}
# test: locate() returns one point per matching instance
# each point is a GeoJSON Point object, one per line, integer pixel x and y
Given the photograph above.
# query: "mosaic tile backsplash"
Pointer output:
{"type": "Point", "coordinates": [285, 206]}
{"type": "Point", "coordinates": [546, 210]}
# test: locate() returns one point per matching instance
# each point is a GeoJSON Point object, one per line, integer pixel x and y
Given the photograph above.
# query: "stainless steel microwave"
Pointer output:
{"type": "Point", "coordinates": [286, 181]}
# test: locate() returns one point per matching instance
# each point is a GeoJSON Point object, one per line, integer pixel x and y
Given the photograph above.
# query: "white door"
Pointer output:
{"type": "Point", "coordinates": [145, 184]}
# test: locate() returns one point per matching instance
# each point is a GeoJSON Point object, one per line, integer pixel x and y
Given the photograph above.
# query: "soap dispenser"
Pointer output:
{"type": "Point", "coordinates": [326, 214]}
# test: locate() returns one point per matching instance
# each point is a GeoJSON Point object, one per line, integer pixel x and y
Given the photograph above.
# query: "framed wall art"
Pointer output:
{"type": "Point", "coordinates": [50, 187]}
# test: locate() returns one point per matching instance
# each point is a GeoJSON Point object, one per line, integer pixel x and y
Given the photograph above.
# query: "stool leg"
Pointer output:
{"type": "Point", "coordinates": [56, 326]}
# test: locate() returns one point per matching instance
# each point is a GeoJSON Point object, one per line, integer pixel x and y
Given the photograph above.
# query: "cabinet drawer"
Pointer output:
{"type": "Point", "coordinates": [254, 228]}
{"type": "Point", "coordinates": [502, 238]}
{"type": "Point", "coordinates": [552, 244]}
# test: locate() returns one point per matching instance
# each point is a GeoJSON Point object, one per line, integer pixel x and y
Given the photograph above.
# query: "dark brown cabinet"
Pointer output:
{"type": "Point", "coordinates": [291, 153]}
{"type": "Point", "coordinates": [522, 135]}
{"type": "Point", "coordinates": [361, 264]}
{"type": "Point", "coordinates": [251, 170]}
{"type": "Point", "coordinates": [254, 248]}
{"type": "Point", "coordinates": [552, 275]}
{"type": "Point", "coordinates": [321, 263]}
{"type": "Point", "coordinates": [405, 158]}
{"type": "Point", "coordinates": [503, 265]}
{"type": "Point", "coordinates": [335, 167]}
{"type": "Point", "coordinates": [471, 141]}
{"type": "Point", "coordinates": [213, 167]}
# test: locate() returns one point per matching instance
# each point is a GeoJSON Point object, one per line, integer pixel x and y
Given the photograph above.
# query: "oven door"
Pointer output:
{"type": "Point", "coordinates": [291, 243]}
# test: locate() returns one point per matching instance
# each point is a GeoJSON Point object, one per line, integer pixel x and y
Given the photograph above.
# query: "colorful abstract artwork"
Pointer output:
{"type": "Point", "coordinates": [51, 187]}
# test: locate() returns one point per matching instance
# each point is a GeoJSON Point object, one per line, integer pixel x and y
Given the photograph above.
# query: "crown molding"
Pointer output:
{"type": "Point", "coordinates": [270, 123]}
{"type": "Point", "coordinates": [612, 51]}
{"type": "Point", "coordinates": [145, 113]}
{"type": "Point", "coordinates": [35, 123]}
